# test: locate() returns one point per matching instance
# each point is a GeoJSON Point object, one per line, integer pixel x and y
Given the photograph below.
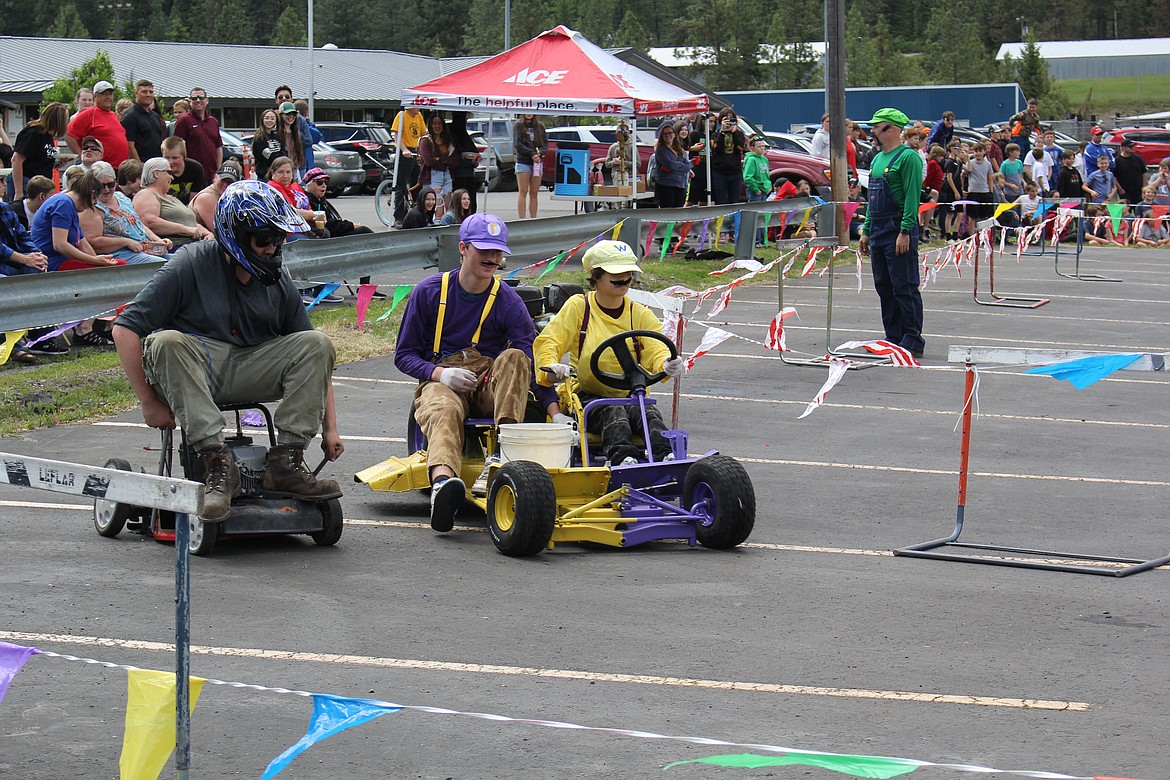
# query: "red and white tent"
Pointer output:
{"type": "Point", "coordinates": [558, 72]}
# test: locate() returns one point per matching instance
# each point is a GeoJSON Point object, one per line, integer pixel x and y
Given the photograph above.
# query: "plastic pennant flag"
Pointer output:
{"type": "Point", "coordinates": [552, 265]}
{"type": "Point", "coordinates": [1159, 211]}
{"type": "Point", "coordinates": [331, 715]}
{"type": "Point", "coordinates": [850, 209]}
{"type": "Point", "coordinates": [1001, 208]}
{"type": "Point", "coordinates": [616, 230]}
{"type": "Point", "coordinates": [812, 261]}
{"type": "Point", "coordinates": [858, 766]}
{"type": "Point", "coordinates": [711, 339]}
{"type": "Point", "coordinates": [1043, 207]}
{"type": "Point", "coordinates": [925, 207]}
{"type": "Point", "coordinates": [10, 340]}
{"type": "Point", "coordinates": [782, 223]}
{"type": "Point", "coordinates": [767, 220]}
{"type": "Point", "coordinates": [776, 335]}
{"type": "Point", "coordinates": [400, 292]}
{"type": "Point", "coordinates": [683, 232]}
{"type": "Point", "coordinates": [149, 738]}
{"type": "Point", "coordinates": [57, 331]}
{"type": "Point", "coordinates": [803, 221]}
{"type": "Point", "coordinates": [650, 228]}
{"type": "Point", "coordinates": [837, 369]}
{"type": "Point", "coordinates": [747, 263]}
{"type": "Point", "coordinates": [326, 289]}
{"type": "Point", "coordinates": [12, 658]}
{"type": "Point", "coordinates": [899, 356]}
{"type": "Point", "coordinates": [703, 234]}
{"type": "Point", "coordinates": [720, 304]}
{"type": "Point", "coordinates": [1116, 210]}
{"type": "Point", "coordinates": [666, 236]}
{"type": "Point", "coordinates": [364, 296]}
{"type": "Point", "coordinates": [532, 268]}
{"type": "Point", "coordinates": [1085, 371]}
{"type": "Point", "coordinates": [718, 231]}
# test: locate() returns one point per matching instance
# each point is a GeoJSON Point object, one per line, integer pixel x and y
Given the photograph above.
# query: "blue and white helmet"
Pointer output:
{"type": "Point", "coordinates": [251, 207]}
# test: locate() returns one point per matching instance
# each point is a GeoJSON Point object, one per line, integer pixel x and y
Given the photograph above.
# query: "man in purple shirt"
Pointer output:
{"type": "Point", "coordinates": [467, 337]}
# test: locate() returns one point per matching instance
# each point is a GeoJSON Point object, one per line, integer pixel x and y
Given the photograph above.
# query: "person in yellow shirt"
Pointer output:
{"type": "Point", "coordinates": [582, 324]}
{"type": "Point", "coordinates": [408, 127]}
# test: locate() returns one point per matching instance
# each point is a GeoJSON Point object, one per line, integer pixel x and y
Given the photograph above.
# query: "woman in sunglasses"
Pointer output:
{"type": "Point", "coordinates": [113, 226]}
{"type": "Point", "coordinates": [162, 212]}
{"type": "Point", "coordinates": [582, 324]}
{"type": "Point", "coordinates": [56, 228]}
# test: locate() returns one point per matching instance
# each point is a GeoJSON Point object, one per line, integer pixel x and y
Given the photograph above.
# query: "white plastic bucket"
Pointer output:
{"type": "Point", "coordinates": [549, 444]}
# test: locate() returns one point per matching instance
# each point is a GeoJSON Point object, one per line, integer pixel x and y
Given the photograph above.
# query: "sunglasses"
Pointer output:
{"type": "Point", "coordinates": [621, 282]}
{"type": "Point", "coordinates": [109, 185]}
{"type": "Point", "coordinates": [266, 241]}
{"type": "Point", "coordinates": [91, 148]}
{"type": "Point", "coordinates": [198, 97]}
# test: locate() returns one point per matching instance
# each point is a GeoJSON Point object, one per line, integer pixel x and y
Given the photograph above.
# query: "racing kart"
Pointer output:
{"type": "Point", "coordinates": [706, 499]}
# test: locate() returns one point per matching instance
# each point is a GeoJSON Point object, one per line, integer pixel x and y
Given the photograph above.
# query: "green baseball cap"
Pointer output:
{"type": "Point", "coordinates": [891, 115]}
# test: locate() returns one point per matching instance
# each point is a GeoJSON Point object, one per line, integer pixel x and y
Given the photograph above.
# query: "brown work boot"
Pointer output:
{"type": "Point", "coordinates": [286, 474]}
{"type": "Point", "coordinates": [222, 481]}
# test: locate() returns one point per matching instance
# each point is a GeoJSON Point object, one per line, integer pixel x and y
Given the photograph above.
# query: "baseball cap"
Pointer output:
{"type": "Point", "coordinates": [90, 139]}
{"type": "Point", "coordinates": [891, 115]}
{"type": "Point", "coordinates": [229, 172]}
{"type": "Point", "coordinates": [1127, 143]}
{"type": "Point", "coordinates": [314, 173]}
{"type": "Point", "coordinates": [1096, 131]}
{"type": "Point", "coordinates": [102, 86]}
{"type": "Point", "coordinates": [484, 231]}
{"type": "Point", "coordinates": [287, 108]}
{"type": "Point", "coordinates": [614, 257]}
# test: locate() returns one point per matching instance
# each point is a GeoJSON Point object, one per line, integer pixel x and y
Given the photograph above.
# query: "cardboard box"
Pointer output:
{"type": "Point", "coordinates": [621, 191]}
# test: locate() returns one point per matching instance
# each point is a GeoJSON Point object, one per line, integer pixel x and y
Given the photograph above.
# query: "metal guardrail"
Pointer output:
{"type": "Point", "coordinates": [40, 300]}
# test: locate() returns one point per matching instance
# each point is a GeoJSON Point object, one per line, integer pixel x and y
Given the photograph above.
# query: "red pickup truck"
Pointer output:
{"type": "Point", "coordinates": [791, 165]}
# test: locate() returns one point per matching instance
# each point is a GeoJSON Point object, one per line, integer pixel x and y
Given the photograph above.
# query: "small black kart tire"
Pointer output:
{"type": "Point", "coordinates": [109, 517]}
{"type": "Point", "coordinates": [334, 523]}
{"type": "Point", "coordinates": [522, 508]}
{"type": "Point", "coordinates": [728, 513]}
{"type": "Point", "coordinates": [202, 536]}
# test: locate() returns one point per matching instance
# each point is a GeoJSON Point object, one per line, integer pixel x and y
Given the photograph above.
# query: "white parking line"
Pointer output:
{"type": "Point", "coordinates": [563, 674]}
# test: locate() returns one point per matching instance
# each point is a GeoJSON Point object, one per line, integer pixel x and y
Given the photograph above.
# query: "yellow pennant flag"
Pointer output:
{"type": "Point", "coordinates": [718, 229]}
{"type": "Point", "coordinates": [617, 229]}
{"type": "Point", "coordinates": [10, 340]}
{"type": "Point", "coordinates": [803, 221]}
{"type": "Point", "coordinates": [1001, 208]}
{"type": "Point", "coordinates": [150, 722]}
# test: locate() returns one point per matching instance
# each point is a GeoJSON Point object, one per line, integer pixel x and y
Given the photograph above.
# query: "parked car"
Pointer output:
{"type": "Point", "coordinates": [1152, 144]}
{"type": "Point", "coordinates": [790, 142]}
{"type": "Point", "coordinates": [488, 164]}
{"type": "Point", "coordinates": [371, 140]}
{"type": "Point", "coordinates": [347, 176]}
{"type": "Point", "coordinates": [501, 140]}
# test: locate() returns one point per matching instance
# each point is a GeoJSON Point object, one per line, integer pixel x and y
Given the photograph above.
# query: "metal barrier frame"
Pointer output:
{"type": "Point", "coordinates": [180, 496]}
{"type": "Point", "coordinates": [1078, 216]}
{"type": "Point", "coordinates": [1126, 567]}
{"type": "Point", "coordinates": [1009, 301]}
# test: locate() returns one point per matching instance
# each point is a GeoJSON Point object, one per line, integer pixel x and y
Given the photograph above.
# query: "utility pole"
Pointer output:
{"type": "Point", "coordinates": [835, 108]}
{"type": "Point", "coordinates": [117, 8]}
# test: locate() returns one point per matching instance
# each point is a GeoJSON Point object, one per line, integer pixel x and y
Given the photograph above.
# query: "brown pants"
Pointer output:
{"type": "Point", "coordinates": [502, 394]}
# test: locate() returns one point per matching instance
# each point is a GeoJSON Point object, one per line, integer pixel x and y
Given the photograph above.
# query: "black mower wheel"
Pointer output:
{"type": "Point", "coordinates": [330, 533]}
{"type": "Point", "coordinates": [202, 536]}
{"type": "Point", "coordinates": [109, 517]}
{"type": "Point", "coordinates": [728, 511]}
{"type": "Point", "coordinates": [522, 508]}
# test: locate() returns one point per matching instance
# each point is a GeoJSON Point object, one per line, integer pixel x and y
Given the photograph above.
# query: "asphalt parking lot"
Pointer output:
{"type": "Point", "coordinates": [811, 635]}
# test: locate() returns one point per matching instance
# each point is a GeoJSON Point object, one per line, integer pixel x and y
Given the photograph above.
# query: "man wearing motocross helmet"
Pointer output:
{"type": "Point", "coordinates": [222, 322]}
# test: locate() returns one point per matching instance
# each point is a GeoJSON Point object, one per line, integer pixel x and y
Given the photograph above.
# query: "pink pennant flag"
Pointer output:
{"type": "Point", "coordinates": [364, 296]}
{"type": "Point", "coordinates": [711, 339]}
{"type": "Point", "coordinates": [850, 209]}
{"type": "Point", "coordinates": [899, 356]}
{"type": "Point", "coordinates": [837, 369]}
{"type": "Point", "coordinates": [651, 227]}
{"type": "Point", "coordinates": [720, 304]}
{"type": "Point", "coordinates": [776, 336]}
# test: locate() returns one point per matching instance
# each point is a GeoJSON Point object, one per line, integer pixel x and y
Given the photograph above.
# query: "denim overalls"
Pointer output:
{"type": "Point", "coordinates": [896, 277]}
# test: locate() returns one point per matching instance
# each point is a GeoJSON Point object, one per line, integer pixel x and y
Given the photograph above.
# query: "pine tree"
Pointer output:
{"type": "Point", "coordinates": [291, 28]}
{"type": "Point", "coordinates": [231, 25]}
{"type": "Point", "coordinates": [631, 32]}
{"type": "Point", "coordinates": [68, 24]}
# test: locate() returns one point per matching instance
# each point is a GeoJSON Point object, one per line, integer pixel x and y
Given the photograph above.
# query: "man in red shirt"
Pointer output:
{"type": "Point", "coordinates": [201, 132]}
{"type": "Point", "coordinates": [100, 121]}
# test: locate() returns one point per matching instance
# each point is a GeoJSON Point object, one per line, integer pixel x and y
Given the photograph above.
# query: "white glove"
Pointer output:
{"type": "Point", "coordinates": [564, 419]}
{"type": "Point", "coordinates": [673, 367]}
{"type": "Point", "coordinates": [458, 379]}
{"type": "Point", "coordinates": [560, 370]}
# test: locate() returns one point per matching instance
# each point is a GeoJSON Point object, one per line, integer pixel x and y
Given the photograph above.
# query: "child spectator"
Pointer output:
{"type": "Point", "coordinates": [1038, 169]}
{"type": "Point", "coordinates": [1079, 160]}
{"type": "Point", "coordinates": [1097, 226]}
{"type": "Point", "coordinates": [1013, 173]}
{"type": "Point", "coordinates": [1069, 182]}
{"type": "Point", "coordinates": [952, 168]}
{"type": "Point", "coordinates": [1152, 233]}
{"type": "Point", "coordinates": [1029, 204]}
{"type": "Point", "coordinates": [782, 188]}
{"type": "Point", "coordinates": [979, 172]}
{"type": "Point", "coordinates": [1101, 185]}
{"type": "Point", "coordinates": [1146, 205]}
{"type": "Point", "coordinates": [932, 182]}
{"type": "Point", "coordinates": [1160, 181]}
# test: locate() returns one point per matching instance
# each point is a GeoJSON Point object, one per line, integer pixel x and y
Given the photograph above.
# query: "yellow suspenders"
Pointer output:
{"type": "Point", "coordinates": [487, 309]}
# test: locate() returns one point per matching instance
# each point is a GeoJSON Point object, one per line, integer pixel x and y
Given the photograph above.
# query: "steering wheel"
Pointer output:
{"type": "Point", "coordinates": [633, 376]}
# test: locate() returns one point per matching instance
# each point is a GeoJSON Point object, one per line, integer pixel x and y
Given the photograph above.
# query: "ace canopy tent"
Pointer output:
{"type": "Point", "coordinates": [558, 72]}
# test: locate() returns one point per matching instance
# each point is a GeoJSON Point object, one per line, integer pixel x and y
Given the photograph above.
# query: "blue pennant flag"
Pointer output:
{"type": "Point", "coordinates": [325, 290]}
{"type": "Point", "coordinates": [331, 715]}
{"type": "Point", "coordinates": [1085, 371]}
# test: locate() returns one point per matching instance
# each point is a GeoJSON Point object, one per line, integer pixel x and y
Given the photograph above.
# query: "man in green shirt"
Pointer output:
{"type": "Point", "coordinates": [890, 233]}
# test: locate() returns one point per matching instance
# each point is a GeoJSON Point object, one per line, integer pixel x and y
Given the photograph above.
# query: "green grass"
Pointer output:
{"type": "Point", "coordinates": [90, 384]}
{"type": "Point", "coordinates": [1124, 96]}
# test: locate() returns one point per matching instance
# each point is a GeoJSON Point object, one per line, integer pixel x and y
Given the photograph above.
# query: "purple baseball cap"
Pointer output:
{"type": "Point", "coordinates": [485, 231]}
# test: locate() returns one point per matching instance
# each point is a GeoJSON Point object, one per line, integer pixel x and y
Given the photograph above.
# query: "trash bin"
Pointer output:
{"type": "Point", "coordinates": [572, 171]}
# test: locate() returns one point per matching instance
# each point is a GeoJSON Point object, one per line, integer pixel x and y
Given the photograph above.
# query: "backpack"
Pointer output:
{"type": "Point", "coordinates": [652, 171]}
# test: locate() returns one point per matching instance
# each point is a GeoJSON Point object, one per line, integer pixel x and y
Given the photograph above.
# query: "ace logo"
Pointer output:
{"type": "Point", "coordinates": [424, 101]}
{"type": "Point", "coordinates": [608, 108]}
{"type": "Point", "coordinates": [537, 78]}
